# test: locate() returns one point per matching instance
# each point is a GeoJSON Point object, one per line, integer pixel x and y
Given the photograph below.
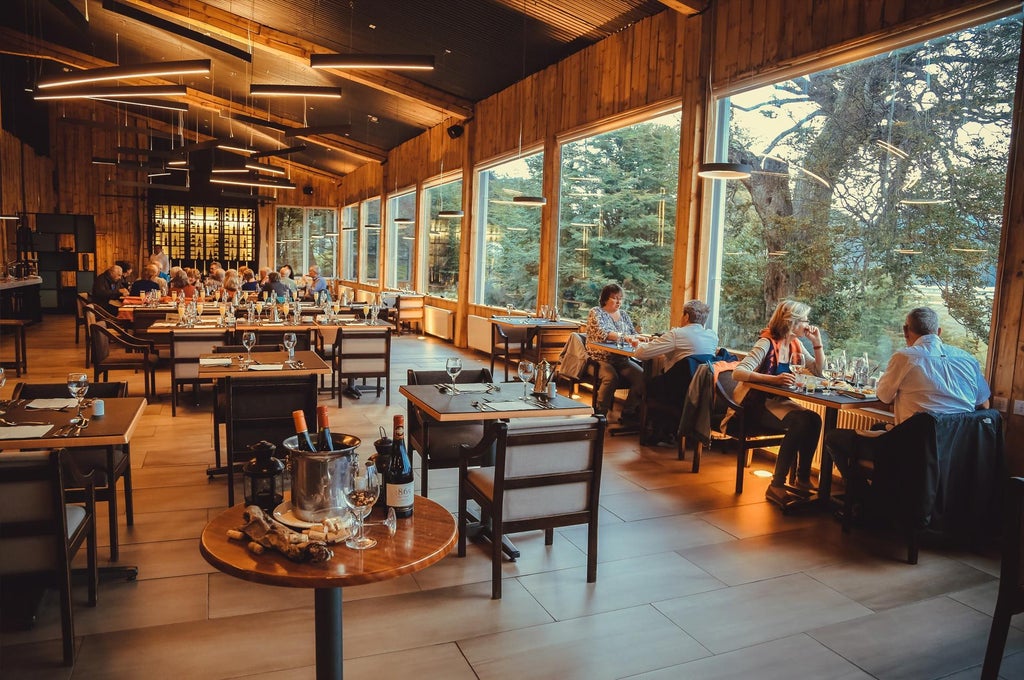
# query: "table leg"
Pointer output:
{"type": "Point", "coordinates": [329, 665]}
{"type": "Point", "coordinates": [825, 471]}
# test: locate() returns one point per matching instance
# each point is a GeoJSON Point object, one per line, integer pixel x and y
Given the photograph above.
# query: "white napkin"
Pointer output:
{"type": "Point", "coordinates": [274, 323]}
{"type": "Point", "coordinates": [512, 406]}
{"type": "Point", "coordinates": [266, 367]}
{"type": "Point", "coordinates": [215, 361]}
{"type": "Point", "coordinates": [24, 431]}
{"type": "Point", "coordinates": [468, 387]}
{"type": "Point", "coordinates": [51, 403]}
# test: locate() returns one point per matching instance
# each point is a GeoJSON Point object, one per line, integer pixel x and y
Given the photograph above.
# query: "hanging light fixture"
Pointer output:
{"type": "Point", "coordinates": [403, 220]}
{"type": "Point", "coordinates": [272, 182]}
{"type": "Point", "coordinates": [265, 167]}
{"type": "Point", "coordinates": [154, 70]}
{"type": "Point", "coordinates": [532, 201]}
{"type": "Point", "coordinates": [526, 201]}
{"type": "Point", "coordinates": [114, 92]}
{"type": "Point", "coordinates": [393, 62]}
{"type": "Point", "coordinates": [294, 91]}
{"type": "Point", "coordinates": [724, 170]}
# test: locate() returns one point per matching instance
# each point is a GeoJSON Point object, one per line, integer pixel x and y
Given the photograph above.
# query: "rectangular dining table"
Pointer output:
{"type": "Point", "coordinates": [217, 366]}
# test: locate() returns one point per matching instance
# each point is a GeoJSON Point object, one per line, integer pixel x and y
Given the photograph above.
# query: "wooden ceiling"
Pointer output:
{"type": "Point", "coordinates": [479, 46]}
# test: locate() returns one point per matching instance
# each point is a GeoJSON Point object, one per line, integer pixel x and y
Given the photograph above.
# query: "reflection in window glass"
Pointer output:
{"type": "Point", "coordinates": [508, 246]}
{"type": "Point", "coordinates": [306, 236]}
{"type": "Point", "coordinates": [350, 242]}
{"type": "Point", "coordinates": [878, 186]}
{"type": "Point", "coordinates": [617, 219]}
{"type": "Point", "coordinates": [369, 242]}
{"type": "Point", "coordinates": [444, 238]}
{"type": "Point", "coordinates": [401, 240]}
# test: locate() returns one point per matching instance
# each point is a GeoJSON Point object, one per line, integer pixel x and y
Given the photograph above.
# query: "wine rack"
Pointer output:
{"type": "Point", "coordinates": [195, 235]}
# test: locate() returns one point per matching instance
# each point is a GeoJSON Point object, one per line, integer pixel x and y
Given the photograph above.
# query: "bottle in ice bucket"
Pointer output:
{"type": "Point", "coordinates": [383, 447]}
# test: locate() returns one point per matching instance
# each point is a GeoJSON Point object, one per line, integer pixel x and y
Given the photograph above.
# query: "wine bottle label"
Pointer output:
{"type": "Point", "coordinates": [400, 495]}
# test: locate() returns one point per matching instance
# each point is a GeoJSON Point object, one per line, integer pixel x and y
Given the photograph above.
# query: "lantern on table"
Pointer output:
{"type": "Point", "coordinates": [263, 477]}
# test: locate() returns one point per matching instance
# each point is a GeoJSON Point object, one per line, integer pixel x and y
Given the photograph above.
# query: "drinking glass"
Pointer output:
{"type": "Point", "coordinates": [361, 487]}
{"type": "Point", "coordinates": [289, 344]}
{"type": "Point", "coordinates": [508, 308]}
{"type": "Point", "coordinates": [526, 371]}
{"type": "Point", "coordinates": [3, 381]}
{"type": "Point", "coordinates": [453, 366]}
{"type": "Point", "coordinates": [374, 311]}
{"type": "Point", "coordinates": [78, 386]}
{"type": "Point", "coordinates": [259, 308]}
{"type": "Point", "coordinates": [544, 309]}
{"type": "Point", "coordinates": [830, 372]}
{"type": "Point", "coordinates": [248, 341]}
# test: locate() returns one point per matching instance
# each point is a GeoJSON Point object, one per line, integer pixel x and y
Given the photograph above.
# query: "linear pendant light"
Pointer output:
{"type": "Point", "coordinates": [265, 167]}
{"type": "Point", "coordinates": [271, 182]}
{"type": "Point", "coordinates": [114, 92]}
{"type": "Point", "coordinates": [724, 170]}
{"type": "Point", "coordinates": [403, 220]}
{"type": "Point", "coordinates": [450, 214]}
{"type": "Point", "coordinates": [533, 201]}
{"type": "Point", "coordinates": [154, 70]}
{"type": "Point", "coordinates": [280, 152]}
{"type": "Point", "coordinates": [294, 91]}
{"type": "Point", "coordinates": [419, 62]}
{"type": "Point", "coordinates": [165, 104]}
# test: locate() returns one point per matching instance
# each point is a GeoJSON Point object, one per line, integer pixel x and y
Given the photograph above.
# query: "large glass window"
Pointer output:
{"type": "Point", "coordinates": [878, 186]}
{"type": "Point", "coordinates": [401, 240]}
{"type": "Point", "coordinates": [445, 235]}
{"type": "Point", "coordinates": [350, 242]}
{"type": "Point", "coordinates": [617, 218]}
{"type": "Point", "coordinates": [369, 241]}
{"type": "Point", "coordinates": [307, 236]}
{"type": "Point", "coordinates": [507, 247]}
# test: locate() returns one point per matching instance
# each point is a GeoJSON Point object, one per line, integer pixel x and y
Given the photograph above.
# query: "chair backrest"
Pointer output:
{"type": "Point", "coordinates": [99, 390]}
{"type": "Point", "coordinates": [302, 338]}
{"type": "Point", "coordinates": [240, 349]}
{"type": "Point", "coordinates": [548, 467]}
{"type": "Point", "coordinates": [81, 301]}
{"type": "Point", "coordinates": [186, 348]}
{"type": "Point", "coordinates": [410, 307]}
{"type": "Point", "coordinates": [32, 512]}
{"type": "Point", "coordinates": [261, 408]}
{"type": "Point", "coordinates": [548, 343]}
{"type": "Point", "coordinates": [99, 336]}
{"type": "Point", "coordinates": [1011, 573]}
{"type": "Point", "coordinates": [363, 353]}
{"type": "Point", "coordinates": [502, 337]}
{"type": "Point", "coordinates": [444, 446]}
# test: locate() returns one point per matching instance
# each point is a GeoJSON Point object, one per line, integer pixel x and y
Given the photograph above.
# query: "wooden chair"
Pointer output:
{"type": "Point", "coordinates": [185, 351]}
{"type": "Point", "coordinates": [40, 533]}
{"type": "Point", "coordinates": [508, 344]}
{"type": "Point", "coordinates": [143, 320]}
{"type": "Point", "coordinates": [113, 349]}
{"type": "Point", "coordinates": [81, 300]}
{"type": "Point", "coordinates": [409, 310]}
{"type": "Point", "coordinates": [746, 435]}
{"type": "Point", "coordinates": [546, 344]}
{"type": "Point", "coordinates": [104, 464]}
{"type": "Point", "coordinates": [220, 404]}
{"type": "Point", "coordinates": [303, 340]}
{"type": "Point", "coordinates": [439, 443]}
{"type": "Point", "coordinates": [546, 474]}
{"type": "Point", "coordinates": [261, 408]}
{"type": "Point", "coordinates": [362, 354]}
{"type": "Point", "coordinates": [1010, 600]}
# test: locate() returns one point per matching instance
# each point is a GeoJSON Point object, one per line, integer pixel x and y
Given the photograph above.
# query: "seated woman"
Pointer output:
{"type": "Point", "coordinates": [249, 282]}
{"type": "Point", "coordinates": [769, 362]}
{"type": "Point", "coordinates": [180, 283]}
{"type": "Point", "coordinates": [150, 281]}
{"type": "Point", "coordinates": [609, 323]}
{"type": "Point", "coordinates": [275, 287]}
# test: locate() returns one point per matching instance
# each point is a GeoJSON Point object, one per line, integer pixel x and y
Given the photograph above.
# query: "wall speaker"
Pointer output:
{"type": "Point", "coordinates": [308, 189]}
{"type": "Point", "coordinates": [455, 131]}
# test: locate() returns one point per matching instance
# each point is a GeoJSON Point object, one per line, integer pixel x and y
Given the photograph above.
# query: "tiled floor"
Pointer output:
{"type": "Point", "coordinates": [694, 582]}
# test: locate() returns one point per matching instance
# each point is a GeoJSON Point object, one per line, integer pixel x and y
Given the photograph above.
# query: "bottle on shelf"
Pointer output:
{"type": "Point", "coordinates": [398, 478]}
{"type": "Point", "coordinates": [324, 441]}
{"type": "Point", "coordinates": [305, 442]}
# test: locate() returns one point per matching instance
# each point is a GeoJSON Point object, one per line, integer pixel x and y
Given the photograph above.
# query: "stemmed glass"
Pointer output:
{"type": "Point", "coordinates": [248, 341]}
{"type": "Point", "coordinates": [289, 344]}
{"type": "Point", "coordinates": [78, 386]}
{"type": "Point", "coordinates": [509, 307]}
{"type": "Point", "coordinates": [259, 309]}
{"type": "Point", "coordinates": [831, 372]}
{"type": "Point", "coordinates": [453, 366]}
{"type": "Point", "coordinates": [374, 311]}
{"type": "Point", "coordinates": [361, 487]}
{"type": "Point", "coordinates": [544, 310]}
{"type": "Point", "coordinates": [526, 370]}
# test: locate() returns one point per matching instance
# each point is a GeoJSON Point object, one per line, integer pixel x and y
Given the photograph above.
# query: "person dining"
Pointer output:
{"type": "Point", "coordinates": [608, 322]}
{"type": "Point", "coordinates": [249, 282]}
{"type": "Point", "coordinates": [150, 280]}
{"type": "Point", "coordinates": [314, 282]}
{"type": "Point", "coordinates": [287, 278]}
{"type": "Point", "coordinates": [181, 284]}
{"type": "Point", "coordinates": [274, 286]}
{"type": "Point", "coordinates": [688, 339]}
{"type": "Point", "coordinates": [108, 288]}
{"type": "Point", "coordinates": [926, 375]}
{"type": "Point", "coordinates": [769, 361]}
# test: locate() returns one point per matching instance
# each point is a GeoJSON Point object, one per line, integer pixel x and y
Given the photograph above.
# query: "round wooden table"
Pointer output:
{"type": "Point", "coordinates": [420, 541]}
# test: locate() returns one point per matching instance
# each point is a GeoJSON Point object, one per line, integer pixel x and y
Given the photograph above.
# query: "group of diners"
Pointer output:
{"type": "Point", "coordinates": [227, 285]}
{"type": "Point", "coordinates": [926, 375]}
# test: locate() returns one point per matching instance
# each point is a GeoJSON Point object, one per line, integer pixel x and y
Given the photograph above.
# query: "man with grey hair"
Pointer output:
{"type": "Point", "coordinates": [679, 343]}
{"type": "Point", "coordinates": [926, 375]}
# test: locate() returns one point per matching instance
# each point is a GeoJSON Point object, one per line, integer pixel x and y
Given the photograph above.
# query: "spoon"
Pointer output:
{"type": "Point", "coordinates": [79, 422]}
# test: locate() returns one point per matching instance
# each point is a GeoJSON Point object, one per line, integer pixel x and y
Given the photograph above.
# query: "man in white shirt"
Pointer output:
{"type": "Point", "coordinates": [926, 375]}
{"type": "Point", "coordinates": [679, 343]}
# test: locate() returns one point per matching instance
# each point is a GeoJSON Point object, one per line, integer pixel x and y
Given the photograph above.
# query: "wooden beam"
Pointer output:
{"type": "Point", "coordinates": [687, 7]}
{"type": "Point", "coordinates": [298, 50]}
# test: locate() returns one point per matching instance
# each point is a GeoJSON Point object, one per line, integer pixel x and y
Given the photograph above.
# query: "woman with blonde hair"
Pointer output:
{"type": "Point", "coordinates": [777, 349]}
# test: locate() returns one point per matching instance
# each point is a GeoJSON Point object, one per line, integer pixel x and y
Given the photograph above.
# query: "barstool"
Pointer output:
{"type": "Point", "coordinates": [16, 328]}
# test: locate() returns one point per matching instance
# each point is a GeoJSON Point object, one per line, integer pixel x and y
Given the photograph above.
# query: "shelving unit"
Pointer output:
{"type": "Point", "coordinates": [65, 252]}
{"type": "Point", "coordinates": [195, 235]}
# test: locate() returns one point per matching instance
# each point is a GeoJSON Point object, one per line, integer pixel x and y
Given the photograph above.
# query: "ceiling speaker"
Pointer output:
{"type": "Point", "coordinates": [308, 189]}
{"type": "Point", "coordinates": [455, 131]}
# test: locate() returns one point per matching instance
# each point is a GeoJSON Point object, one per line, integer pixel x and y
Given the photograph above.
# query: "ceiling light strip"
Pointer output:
{"type": "Point", "coordinates": [419, 62]}
{"type": "Point", "coordinates": [153, 70]}
{"type": "Point", "coordinates": [114, 91]}
{"type": "Point", "coordinates": [264, 90]}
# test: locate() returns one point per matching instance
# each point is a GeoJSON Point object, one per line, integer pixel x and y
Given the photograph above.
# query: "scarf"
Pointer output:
{"type": "Point", "coordinates": [771, 361]}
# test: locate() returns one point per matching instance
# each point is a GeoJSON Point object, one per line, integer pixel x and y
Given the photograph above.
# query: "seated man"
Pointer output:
{"type": "Point", "coordinates": [314, 282]}
{"type": "Point", "coordinates": [150, 281]}
{"type": "Point", "coordinates": [108, 289]}
{"type": "Point", "coordinates": [926, 375]}
{"type": "Point", "coordinates": [275, 287]}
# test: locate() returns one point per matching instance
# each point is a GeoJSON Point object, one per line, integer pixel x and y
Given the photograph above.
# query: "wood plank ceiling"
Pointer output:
{"type": "Point", "coordinates": [479, 46]}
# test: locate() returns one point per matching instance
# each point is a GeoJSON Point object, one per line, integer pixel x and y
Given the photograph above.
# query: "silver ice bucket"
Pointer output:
{"type": "Point", "coordinates": [317, 477]}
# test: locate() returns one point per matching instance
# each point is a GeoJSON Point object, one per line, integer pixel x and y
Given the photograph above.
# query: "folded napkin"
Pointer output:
{"type": "Point", "coordinates": [165, 324]}
{"type": "Point", "coordinates": [24, 431]}
{"type": "Point", "coordinates": [52, 403]}
{"type": "Point", "coordinates": [273, 323]}
{"type": "Point", "coordinates": [512, 406]}
{"type": "Point", "coordinates": [266, 367]}
{"type": "Point", "coordinates": [215, 361]}
{"type": "Point", "coordinates": [468, 387]}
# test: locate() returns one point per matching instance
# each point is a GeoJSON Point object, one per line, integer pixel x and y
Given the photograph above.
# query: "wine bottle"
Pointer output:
{"type": "Point", "coordinates": [398, 479]}
{"type": "Point", "coordinates": [305, 442]}
{"type": "Point", "coordinates": [324, 441]}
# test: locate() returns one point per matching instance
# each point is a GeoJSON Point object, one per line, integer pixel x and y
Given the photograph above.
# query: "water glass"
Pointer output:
{"type": "Point", "coordinates": [526, 371]}
{"type": "Point", "coordinates": [508, 308]}
{"type": "Point", "coordinates": [453, 366]}
{"type": "Point", "coordinates": [361, 487]}
{"type": "Point", "coordinates": [248, 342]}
{"type": "Point", "coordinates": [78, 386]}
{"type": "Point", "coordinates": [289, 344]}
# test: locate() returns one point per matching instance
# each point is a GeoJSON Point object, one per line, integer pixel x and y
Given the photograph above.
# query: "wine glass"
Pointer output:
{"type": "Point", "coordinates": [3, 381]}
{"type": "Point", "coordinates": [248, 341]}
{"type": "Point", "coordinates": [78, 386]}
{"type": "Point", "coordinates": [259, 308]}
{"type": "Point", "coordinates": [830, 371]}
{"type": "Point", "coordinates": [526, 370]}
{"type": "Point", "coordinates": [544, 309]}
{"type": "Point", "coordinates": [361, 487]}
{"type": "Point", "coordinates": [453, 366]}
{"type": "Point", "coordinates": [509, 307]}
{"type": "Point", "coordinates": [289, 344]}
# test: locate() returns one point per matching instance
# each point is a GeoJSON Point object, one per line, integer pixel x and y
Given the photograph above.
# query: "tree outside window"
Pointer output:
{"type": "Point", "coordinates": [616, 219]}
{"type": "Point", "coordinates": [307, 236]}
{"type": "Point", "coordinates": [350, 242]}
{"type": "Point", "coordinates": [369, 241]}
{"type": "Point", "coordinates": [401, 240]}
{"type": "Point", "coordinates": [507, 247]}
{"type": "Point", "coordinates": [444, 237]}
{"type": "Point", "coordinates": [878, 186]}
